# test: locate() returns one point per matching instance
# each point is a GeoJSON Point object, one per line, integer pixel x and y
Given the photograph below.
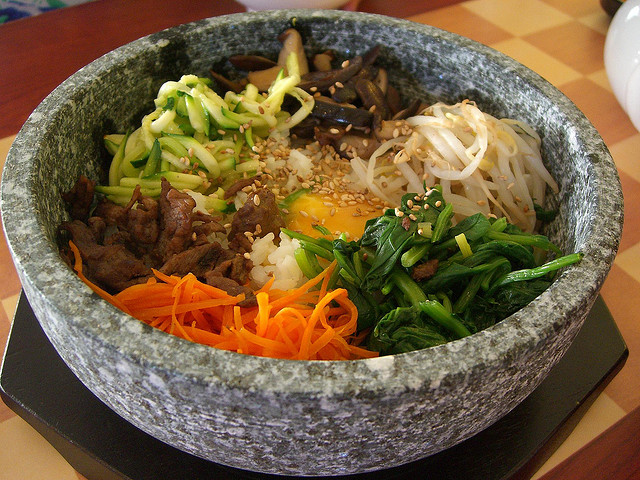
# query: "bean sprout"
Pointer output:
{"type": "Point", "coordinates": [484, 164]}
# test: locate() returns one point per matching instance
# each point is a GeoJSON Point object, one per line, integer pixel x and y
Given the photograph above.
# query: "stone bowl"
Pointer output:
{"type": "Point", "coordinates": [297, 417]}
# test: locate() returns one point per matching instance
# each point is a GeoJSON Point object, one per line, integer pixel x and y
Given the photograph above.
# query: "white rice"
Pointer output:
{"type": "Point", "coordinates": [271, 260]}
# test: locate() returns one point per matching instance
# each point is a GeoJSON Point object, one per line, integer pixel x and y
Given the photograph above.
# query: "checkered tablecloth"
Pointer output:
{"type": "Point", "coordinates": [563, 41]}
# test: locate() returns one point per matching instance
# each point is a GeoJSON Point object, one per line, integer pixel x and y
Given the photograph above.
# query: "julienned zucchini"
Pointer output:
{"type": "Point", "coordinates": [194, 136]}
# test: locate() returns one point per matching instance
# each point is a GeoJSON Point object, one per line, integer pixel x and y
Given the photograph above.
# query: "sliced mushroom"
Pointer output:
{"type": "Point", "coordinates": [372, 97]}
{"type": "Point", "coordinates": [292, 43]}
{"type": "Point", "coordinates": [250, 63]}
{"type": "Point", "coordinates": [391, 129]}
{"type": "Point", "coordinates": [393, 100]}
{"type": "Point", "coordinates": [321, 81]}
{"type": "Point", "coordinates": [322, 61]}
{"type": "Point", "coordinates": [338, 113]}
{"type": "Point", "coordinates": [371, 56]}
{"type": "Point", "coordinates": [382, 80]}
{"type": "Point", "coordinates": [225, 84]}
{"type": "Point", "coordinates": [357, 144]}
{"type": "Point", "coordinates": [410, 111]}
{"type": "Point", "coordinates": [345, 94]}
{"type": "Point", "coordinates": [264, 78]}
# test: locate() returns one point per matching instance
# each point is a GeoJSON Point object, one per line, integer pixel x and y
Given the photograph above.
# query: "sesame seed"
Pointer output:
{"type": "Point", "coordinates": [313, 89]}
{"type": "Point", "coordinates": [345, 64]}
{"type": "Point", "coordinates": [335, 131]}
{"type": "Point", "coordinates": [303, 213]}
{"type": "Point", "coordinates": [332, 212]}
{"type": "Point", "coordinates": [412, 217]}
{"type": "Point", "coordinates": [438, 203]}
{"type": "Point", "coordinates": [256, 200]}
{"type": "Point", "coordinates": [339, 85]}
{"type": "Point", "coordinates": [247, 255]}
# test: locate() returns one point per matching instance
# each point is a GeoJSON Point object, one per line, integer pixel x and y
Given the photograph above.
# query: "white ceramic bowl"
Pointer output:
{"type": "Point", "coordinates": [622, 58]}
{"type": "Point", "coordinates": [256, 5]}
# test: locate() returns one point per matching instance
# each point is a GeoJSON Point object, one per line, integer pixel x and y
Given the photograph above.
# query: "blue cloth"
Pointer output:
{"type": "Point", "coordinates": [15, 9]}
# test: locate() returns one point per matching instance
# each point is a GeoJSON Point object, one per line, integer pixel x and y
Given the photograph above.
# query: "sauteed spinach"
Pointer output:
{"type": "Point", "coordinates": [419, 282]}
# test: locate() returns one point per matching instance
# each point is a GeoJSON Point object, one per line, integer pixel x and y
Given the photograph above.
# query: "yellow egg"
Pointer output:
{"type": "Point", "coordinates": [313, 209]}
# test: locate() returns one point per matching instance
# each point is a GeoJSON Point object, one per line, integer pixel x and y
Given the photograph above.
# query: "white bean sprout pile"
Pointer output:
{"type": "Point", "coordinates": [483, 163]}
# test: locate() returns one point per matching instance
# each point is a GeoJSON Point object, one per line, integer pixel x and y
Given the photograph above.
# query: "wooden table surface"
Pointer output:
{"type": "Point", "coordinates": [562, 40]}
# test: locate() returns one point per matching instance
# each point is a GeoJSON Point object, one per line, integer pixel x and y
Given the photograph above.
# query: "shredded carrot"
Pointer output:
{"type": "Point", "coordinates": [306, 323]}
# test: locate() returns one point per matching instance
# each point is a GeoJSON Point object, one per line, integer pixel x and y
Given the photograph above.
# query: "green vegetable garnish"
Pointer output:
{"type": "Point", "coordinates": [479, 272]}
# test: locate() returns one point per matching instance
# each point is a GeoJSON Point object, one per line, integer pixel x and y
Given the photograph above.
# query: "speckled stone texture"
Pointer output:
{"type": "Point", "coordinates": [288, 417]}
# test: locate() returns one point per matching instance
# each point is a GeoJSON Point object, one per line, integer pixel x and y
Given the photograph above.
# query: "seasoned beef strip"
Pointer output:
{"type": "Point", "coordinates": [119, 245]}
{"type": "Point", "coordinates": [112, 267]}
{"type": "Point", "coordinates": [258, 216]}
{"type": "Point", "coordinates": [198, 260]}
{"type": "Point", "coordinates": [80, 198]}
{"type": "Point", "coordinates": [175, 221]}
{"type": "Point", "coordinates": [142, 221]}
{"type": "Point", "coordinates": [232, 288]}
{"type": "Point", "coordinates": [203, 226]}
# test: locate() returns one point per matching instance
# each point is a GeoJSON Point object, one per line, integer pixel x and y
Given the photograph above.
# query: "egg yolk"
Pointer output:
{"type": "Point", "coordinates": [335, 215]}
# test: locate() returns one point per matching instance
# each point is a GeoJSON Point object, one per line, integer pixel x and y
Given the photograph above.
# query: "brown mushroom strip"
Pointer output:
{"type": "Point", "coordinates": [371, 56]}
{"type": "Point", "coordinates": [292, 43]}
{"type": "Point", "coordinates": [391, 129]}
{"type": "Point", "coordinates": [322, 61]}
{"type": "Point", "coordinates": [410, 111]}
{"type": "Point", "coordinates": [382, 80]}
{"type": "Point", "coordinates": [225, 84]}
{"type": "Point", "coordinates": [372, 97]}
{"type": "Point", "coordinates": [394, 101]}
{"type": "Point", "coordinates": [346, 115]}
{"type": "Point", "coordinates": [356, 144]}
{"type": "Point", "coordinates": [264, 78]}
{"type": "Point", "coordinates": [345, 94]}
{"type": "Point", "coordinates": [251, 63]}
{"type": "Point", "coordinates": [323, 80]}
